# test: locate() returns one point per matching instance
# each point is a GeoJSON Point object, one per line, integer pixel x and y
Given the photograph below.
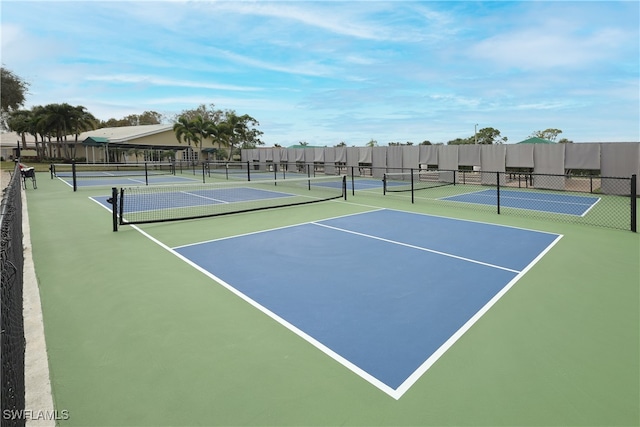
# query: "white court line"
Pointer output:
{"type": "Point", "coordinates": [460, 332]}
{"type": "Point", "coordinates": [205, 197]}
{"type": "Point", "coordinates": [270, 229]}
{"type": "Point", "coordinates": [486, 264]}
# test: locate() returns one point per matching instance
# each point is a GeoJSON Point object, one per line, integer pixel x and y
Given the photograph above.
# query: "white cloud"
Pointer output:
{"type": "Point", "coordinates": [160, 81]}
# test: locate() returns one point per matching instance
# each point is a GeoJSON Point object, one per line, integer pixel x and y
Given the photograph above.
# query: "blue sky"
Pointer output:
{"type": "Point", "coordinates": [329, 71]}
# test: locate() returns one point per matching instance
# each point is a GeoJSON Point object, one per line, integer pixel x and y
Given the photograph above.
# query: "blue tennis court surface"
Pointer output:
{"type": "Point", "coordinates": [192, 198]}
{"type": "Point", "coordinates": [545, 202]}
{"type": "Point", "coordinates": [385, 293]}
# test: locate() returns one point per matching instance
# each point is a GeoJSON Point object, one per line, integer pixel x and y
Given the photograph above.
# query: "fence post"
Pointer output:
{"type": "Point", "coordinates": [114, 207]}
{"type": "Point", "coordinates": [498, 191]}
{"type": "Point", "coordinates": [634, 203]}
{"type": "Point", "coordinates": [412, 188]}
{"type": "Point", "coordinates": [353, 181]}
{"type": "Point", "coordinates": [73, 173]}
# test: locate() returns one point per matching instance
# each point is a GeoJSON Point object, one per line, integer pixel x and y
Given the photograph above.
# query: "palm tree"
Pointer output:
{"type": "Point", "coordinates": [187, 131]}
{"type": "Point", "coordinates": [80, 120]}
{"type": "Point", "coordinates": [19, 121]}
{"type": "Point", "coordinates": [238, 131]}
{"type": "Point", "coordinates": [57, 121]}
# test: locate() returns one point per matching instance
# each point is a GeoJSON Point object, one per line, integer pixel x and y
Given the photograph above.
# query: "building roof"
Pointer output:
{"type": "Point", "coordinates": [125, 133]}
{"type": "Point", "coordinates": [95, 141]}
{"type": "Point", "coordinates": [536, 140]}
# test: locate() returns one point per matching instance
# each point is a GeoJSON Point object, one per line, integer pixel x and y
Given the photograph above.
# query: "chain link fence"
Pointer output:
{"type": "Point", "coordinates": [13, 340]}
{"type": "Point", "coordinates": [589, 199]}
{"type": "Point", "coordinates": [592, 200]}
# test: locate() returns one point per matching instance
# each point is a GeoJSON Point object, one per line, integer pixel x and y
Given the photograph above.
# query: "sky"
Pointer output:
{"type": "Point", "coordinates": [326, 72]}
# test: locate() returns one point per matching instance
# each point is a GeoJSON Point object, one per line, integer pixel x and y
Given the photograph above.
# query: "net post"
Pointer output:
{"type": "Point", "coordinates": [454, 177]}
{"type": "Point", "coordinates": [412, 187]}
{"type": "Point", "coordinates": [384, 184]}
{"type": "Point", "coordinates": [121, 207]}
{"type": "Point", "coordinates": [52, 170]}
{"type": "Point", "coordinates": [114, 208]}
{"type": "Point", "coordinates": [634, 203]}
{"type": "Point", "coordinates": [73, 174]}
{"type": "Point", "coordinates": [248, 171]}
{"type": "Point", "coordinates": [353, 181]}
{"type": "Point", "coordinates": [498, 191]}
{"type": "Point", "coordinates": [146, 174]}
{"type": "Point", "coordinates": [344, 186]}
{"type": "Point", "coordinates": [203, 172]}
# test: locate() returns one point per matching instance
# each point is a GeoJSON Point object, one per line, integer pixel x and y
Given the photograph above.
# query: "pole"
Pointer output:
{"type": "Point", "coordinates": [634, 203]}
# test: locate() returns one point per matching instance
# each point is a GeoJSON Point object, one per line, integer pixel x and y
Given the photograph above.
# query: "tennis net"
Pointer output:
{"type": "Point", "coordinates": [417, 179]}
{"type": "Point", "coordinates": [161, 203]}
{"type": "Point", "coordinates": [105, 171]}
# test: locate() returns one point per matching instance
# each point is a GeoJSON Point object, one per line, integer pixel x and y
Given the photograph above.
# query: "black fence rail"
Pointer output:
{"type": "Point", "coordinates": [13, 340]}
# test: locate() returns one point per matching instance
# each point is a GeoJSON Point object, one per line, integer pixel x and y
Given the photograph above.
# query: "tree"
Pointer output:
{"type": "Point", "coordinates": [186, 131]}
{"type": "Point", "coordinates": [549, 134]}
{"type": "Point", "coordinates": [461, 141]}
{"type": "Point", "coordinates": [372, 143]}
{"type": "Point", "coordinates": [425, 142]}
{"type": "Point", "coordinates": [240, 131]}
{"type": "Point", "coordinates": [146, 118]}
{"type": "Point", "coordinates": [565, 141]}
{"type": "Point", "coordinates": [19, 121]}
{"type": "Point", "coordinates": [208, 113]}
{"type": "Point", "coordinates": [489, 136]}
{"type": "Point", "coordinates": [12, 90]}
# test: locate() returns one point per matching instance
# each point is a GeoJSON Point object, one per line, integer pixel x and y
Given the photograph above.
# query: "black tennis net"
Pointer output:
{"type": "Point", "coordinates": [140, 205]}
{"type": "Point", "coordinates": [417, 179]}
{"type": "Point", "coordinates": [74, 172]}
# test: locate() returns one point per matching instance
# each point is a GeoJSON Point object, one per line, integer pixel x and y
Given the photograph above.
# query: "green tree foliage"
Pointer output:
{"type": "Point", "coordinates": [13, 90]}
{"type": "Point", "coordinates": [483, 136]}
{"type": "Point", "coordinates": [186, 131]}
{"type": "Point", "coordinates": [461, 141]}
{"type": "Point", "coordinates": [550, 134]}
{"type": "Point", "coordinates": [489, 136]}
{"type": "Point", "coordinates": [146, 118]}
{"type": "Point", "coordinates": [223, 127]}
{"type": "Point", "coordinates": [53, 124]}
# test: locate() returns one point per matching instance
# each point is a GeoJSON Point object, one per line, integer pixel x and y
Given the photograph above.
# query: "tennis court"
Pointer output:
{"type": "Point", "coordinates": [568, 204]}
{"type": "Point", "coordinates": [382, 323]}
{"type": "Point", "coordinates": [366, 311]}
